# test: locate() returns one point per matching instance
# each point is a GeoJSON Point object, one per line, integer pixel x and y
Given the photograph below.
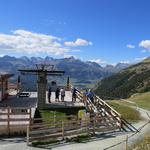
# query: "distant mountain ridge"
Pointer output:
{"type": "Point", "coordinates": [75, 68]}
{"type": "Point", "coordinates": [123, 84]}
{"type": "Point", "coordinates": [12, 63]}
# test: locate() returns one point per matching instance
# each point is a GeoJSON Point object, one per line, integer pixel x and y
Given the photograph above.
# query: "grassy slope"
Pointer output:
{"type": "Point", "coordinates": [125, 110]}
{"type": "Point", "coordinates": [131, 80]}
{"type": "Point", "coordinates": [142, 145]}
{"type": "Point", "coordinates": [141, 99]}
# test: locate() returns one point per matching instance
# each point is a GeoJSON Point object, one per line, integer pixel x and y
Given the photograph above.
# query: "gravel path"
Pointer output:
{"type": "Point", "coordinates": [96, 144]}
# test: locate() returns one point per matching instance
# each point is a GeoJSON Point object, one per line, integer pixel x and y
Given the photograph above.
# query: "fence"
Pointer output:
{"type": "Point", "coordinates": [14, 120]}
{"type": "Point", "coordinates": [65, 128]}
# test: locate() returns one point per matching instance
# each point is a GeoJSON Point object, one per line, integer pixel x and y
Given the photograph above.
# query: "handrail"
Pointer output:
{"type": "Point", "coordinates": [108, 106]}
{"type": "Point", "coordinates": [93, 107]}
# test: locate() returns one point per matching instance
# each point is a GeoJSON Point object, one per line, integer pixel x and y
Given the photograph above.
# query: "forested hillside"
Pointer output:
{"type": "Point", "coordinates": [135, 79]}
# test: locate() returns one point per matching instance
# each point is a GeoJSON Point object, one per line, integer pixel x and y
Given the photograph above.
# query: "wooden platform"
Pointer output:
{"type": "Point", "coordinates": [31, 102]}
{"type": "Point", "coordinates": [67, 101]}
{"type": "Point", "coordinates": [20, 102]}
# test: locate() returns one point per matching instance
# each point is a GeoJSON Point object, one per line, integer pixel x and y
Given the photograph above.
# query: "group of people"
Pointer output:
{"type": "Point", "coordinates": [58, 93]}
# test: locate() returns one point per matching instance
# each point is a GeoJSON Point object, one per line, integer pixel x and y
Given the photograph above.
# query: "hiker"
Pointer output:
{"type": "Point", "coordinates": [62, 92]}
{"type": "Point", "coordinates": [74, 90]}
{"type": "Point", "coordinates": [57, 94]}
{"type": "Point", "coordinates": [49, 94]}
{"type": "Point", "coordinates": [90, 95]}
{"type": "Point", "coordinates": [86, 93]}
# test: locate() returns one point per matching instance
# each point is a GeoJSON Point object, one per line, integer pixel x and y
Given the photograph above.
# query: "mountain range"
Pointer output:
{"type": "Point", "coordinates": [79, 71]}
{"type": "Point", "coordinates": [131, 80]}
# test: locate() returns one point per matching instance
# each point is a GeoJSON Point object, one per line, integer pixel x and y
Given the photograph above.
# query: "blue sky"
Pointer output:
{"type": "Point", "coordinates": [105, 31]}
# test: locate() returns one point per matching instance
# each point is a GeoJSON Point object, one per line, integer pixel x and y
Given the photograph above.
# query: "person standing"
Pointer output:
{"type": "Point", "coordinates": [49, 94]}
{"type": "Point", "coordinates": [90, 95]}
{"type": "Point", "coordinates": [62, 91]}
{"type": "Point", "coordinates": [57, 94]}
{"type": "Point", "coordinates": [74, 94]}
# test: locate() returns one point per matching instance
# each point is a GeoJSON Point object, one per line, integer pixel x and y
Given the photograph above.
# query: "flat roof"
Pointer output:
{"type": "Point", "coordinates": [20, 102]}
{"type": "Point", "coordinates": [5, 76]}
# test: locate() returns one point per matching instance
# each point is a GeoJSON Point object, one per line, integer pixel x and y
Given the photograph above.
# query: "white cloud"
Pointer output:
{"type": "Point", "coordinates": [130, 46]}
{"type": "Point", "coordinates": [22, 41]}
{"type": "Point", "coordinates": [145, 44]}
{"type": "Point", "coordinates": [139, 59]}
{"type": "Point", "coordinates": [78, 42]}
{"type": "Point", "coordinates": [2, 55]}
{"type": "Point", "coordinates": [125, 61]}
{"type": "Point", "coordinates": [98, 61]}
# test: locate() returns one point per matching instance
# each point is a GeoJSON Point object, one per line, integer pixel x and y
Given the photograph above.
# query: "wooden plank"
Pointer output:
{"type": "Point", "coordinates": [44, 124]}
{"type": "Point", "coordinates": [63, 131]}
{"type": "Point", "coordinates": [50, 129]}
{"type": "Point", "coordinates": [20, 113]}
{"type": "Point", "coordinates": [45, 131]}
{"type": "Point", "coordinates": [45, 137]}
{"type": "Point", "coordinates": [4, 113]}
{"type": "Point", "coordinates": [108, 106]}
{"type": "Point", "coordinates": [14, 119]}
{"type": "Point", "coordinates": [104, 129]}
{"type": "Point", "coordinates": [74, 132]}
{"type": "Point", "coordinates": [8, 121]}
{"type": "Point", "coordinates": [56, 117]}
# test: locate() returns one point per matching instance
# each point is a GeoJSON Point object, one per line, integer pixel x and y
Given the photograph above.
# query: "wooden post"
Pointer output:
{"type": "Point", "coordinates": [62, 130]}
{"type": "Point", "coordinates": [94, 121]}
{"type": "Point", "coordinates": [27, 140]}
{"type": "Point", "coordinates": [68, 84]}
{"type": "Point", "coordinates": [121, 125]}
{"type": "Point", "coordinates": [85, 100]}
{"type": "Point", "coordinates": [127, 142]}
{"type": "Point", "coordinates": [18, 85]}
{"type": "Point", "coordinates": [8, 120]}
{"type": "Point", "coordinates": [30, 116]}
{"type": "Point", "coordinates": [54, 121]}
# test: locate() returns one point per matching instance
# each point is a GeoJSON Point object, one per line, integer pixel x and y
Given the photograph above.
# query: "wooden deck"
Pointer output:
{"type": "Point", "coordinates": [31, 102]}
{"type": "Point", "coordinates": [67, 101]}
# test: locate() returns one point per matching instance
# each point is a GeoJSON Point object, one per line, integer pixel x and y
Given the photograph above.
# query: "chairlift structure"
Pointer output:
{"type": "Point", "coordinates": [42, 71]}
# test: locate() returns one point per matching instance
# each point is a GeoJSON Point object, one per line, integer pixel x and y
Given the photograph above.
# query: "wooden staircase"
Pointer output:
{"type": "Point", "coordinates": [112, 120]}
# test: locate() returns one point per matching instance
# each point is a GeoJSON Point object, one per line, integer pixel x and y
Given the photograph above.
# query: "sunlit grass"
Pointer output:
{"type": "Point", "coordinates": [141, 99]}
{"type": "Point", "coordinates": [142, 145]}
{"type": "Point", "coordinates": [48, 115]}
{"type": "Point", "coordinates": [127, 112]}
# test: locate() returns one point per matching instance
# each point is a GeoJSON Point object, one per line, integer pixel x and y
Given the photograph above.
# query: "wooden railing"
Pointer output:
{"type": "Point", "coordinates": [62, 129]}
{"type": "Point", "coordinates": [102, 118]}
{"type": "Point", "coordinates": [101, 108]}
{"type": "Point", "coordinates": [11, 118]}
